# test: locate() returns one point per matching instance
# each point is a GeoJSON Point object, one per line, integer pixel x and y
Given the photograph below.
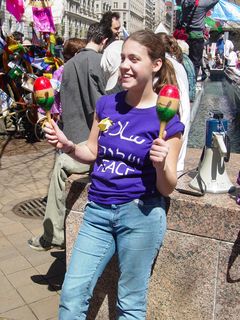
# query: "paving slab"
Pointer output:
{"type": "Point", "coordinates": [46, 309]}
{"type": "Point", "coordinates": [22, 313]}
{"type": "Point", "coordinates": [25, 172]}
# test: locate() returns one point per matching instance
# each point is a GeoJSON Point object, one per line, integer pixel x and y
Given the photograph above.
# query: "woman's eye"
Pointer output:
{"type": "Point", "coordinates": [134, 59]}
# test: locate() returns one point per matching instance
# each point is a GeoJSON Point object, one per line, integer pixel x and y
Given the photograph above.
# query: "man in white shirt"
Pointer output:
{"type": "Point", "coordinates": [228, 45]}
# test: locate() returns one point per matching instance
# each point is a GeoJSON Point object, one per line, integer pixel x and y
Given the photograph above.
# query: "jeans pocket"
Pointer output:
{"type": "Point", "coordinates": [148, 204]}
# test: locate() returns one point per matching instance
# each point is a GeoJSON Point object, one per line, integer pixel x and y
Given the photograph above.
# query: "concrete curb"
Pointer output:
{"type": "Point", "coordinates": [195, 105]}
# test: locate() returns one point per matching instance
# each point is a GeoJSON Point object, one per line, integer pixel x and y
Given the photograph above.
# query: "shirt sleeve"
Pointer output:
{"type": "Point", "coordinates": [99, 107]}
{"type": "Point", "coordinates": [174, 126]}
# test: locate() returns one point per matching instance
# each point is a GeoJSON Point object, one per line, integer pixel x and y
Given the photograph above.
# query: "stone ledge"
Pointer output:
{"type": "Point", "coordinates": [196, 274]}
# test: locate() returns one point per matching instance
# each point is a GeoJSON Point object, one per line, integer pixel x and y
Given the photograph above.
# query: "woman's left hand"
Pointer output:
{"type": "Point", "coordinates": [159, 152]}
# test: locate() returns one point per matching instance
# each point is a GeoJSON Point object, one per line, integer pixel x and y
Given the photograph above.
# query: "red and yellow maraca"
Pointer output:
{"type": "Point", "coordinates": [167, 105]}
{"type": "Point", "coordinates": [44, 95]}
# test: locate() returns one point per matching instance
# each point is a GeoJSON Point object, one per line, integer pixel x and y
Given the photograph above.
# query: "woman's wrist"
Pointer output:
{"type": "Point", "coordinates": [70, 149]}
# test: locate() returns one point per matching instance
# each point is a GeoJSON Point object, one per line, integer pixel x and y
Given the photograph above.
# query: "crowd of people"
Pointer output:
{"type": "Point", "coordinates": [204, 52]}
{"type": "Point", "coordinates": [192, 29]}
{"type": "Point", "coordinates": [223, 54]}
{"type": "Point", "coordinates": [104, 123]}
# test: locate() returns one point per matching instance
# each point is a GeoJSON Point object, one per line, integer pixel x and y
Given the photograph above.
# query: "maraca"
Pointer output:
{"type": "Point", "coordinates": [44, 95]}
{"type": "Point", "coordinates": [167, 105]}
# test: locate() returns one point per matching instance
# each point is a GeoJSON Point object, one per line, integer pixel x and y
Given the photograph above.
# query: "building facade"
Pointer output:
{"type": "Point", "coordinates": [101, 7]}
{"type": "Point", "coordinates": [79, 14]}
{"type": "Point", "coordinates": [159, 13]}
{"type": "Point", "coordinates": [132, 12]}
{"type": "Point", "coordinates": [132, 18]}
{"type": "Point", "coordinates": [149, 15]}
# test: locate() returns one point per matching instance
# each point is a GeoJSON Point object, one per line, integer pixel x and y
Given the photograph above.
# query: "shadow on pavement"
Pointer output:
{"type": "Point", "coordinates": [55, 275]}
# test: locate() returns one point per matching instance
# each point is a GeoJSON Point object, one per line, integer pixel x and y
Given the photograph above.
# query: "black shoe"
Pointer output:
{"type": "Point", "coordinates": [40, 244]}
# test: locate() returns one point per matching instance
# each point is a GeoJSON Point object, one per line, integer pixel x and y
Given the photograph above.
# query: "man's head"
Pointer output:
{"type": "Point", "coordinates": [71, 47]}
{"type": "Point", "coordinates": [98, 35]}
{"type": "Point", "coordinates": [59, 41]}
{"type": "Point", "coordinates": [18, 36]}
{"type": "Point", "coordinates": [116, 25]}
{"type": "Point", "coordinates": [111, 21]}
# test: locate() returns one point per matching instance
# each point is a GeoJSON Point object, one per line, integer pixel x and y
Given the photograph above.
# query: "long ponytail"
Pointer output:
{"type": "Point", "coordinates": [166, 75]}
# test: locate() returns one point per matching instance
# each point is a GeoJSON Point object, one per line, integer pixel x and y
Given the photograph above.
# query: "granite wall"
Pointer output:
{"type": "Point", "coordinates": [197, 273]}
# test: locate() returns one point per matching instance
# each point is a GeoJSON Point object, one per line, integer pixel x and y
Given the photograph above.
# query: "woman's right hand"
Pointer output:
{"type": "Point", "coordinates": [57, 138]}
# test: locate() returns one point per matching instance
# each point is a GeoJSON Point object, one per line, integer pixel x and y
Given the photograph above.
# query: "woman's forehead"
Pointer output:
{"type": "Point", "coordinates": [133, 47]}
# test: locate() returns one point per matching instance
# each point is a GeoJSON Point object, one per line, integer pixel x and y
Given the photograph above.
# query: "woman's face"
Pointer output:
{"type": "Point", "coordinates": [136, 68]}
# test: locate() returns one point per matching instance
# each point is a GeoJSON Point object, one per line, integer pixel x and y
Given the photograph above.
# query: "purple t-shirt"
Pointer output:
{"type": "Point", "coordinates": [123, 170]}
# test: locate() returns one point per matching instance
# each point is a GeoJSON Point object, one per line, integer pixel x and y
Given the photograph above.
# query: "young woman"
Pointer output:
{"type": "Point", "coordinates": [133, 171]}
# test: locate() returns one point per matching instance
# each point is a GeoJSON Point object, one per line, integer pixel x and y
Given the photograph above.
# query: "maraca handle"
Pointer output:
{"type": "Point", "coordinates": [48, 115]}
{"type": "Point", "coordinates": [162, 128]}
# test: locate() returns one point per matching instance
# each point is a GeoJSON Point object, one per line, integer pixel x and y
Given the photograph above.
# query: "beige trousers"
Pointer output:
{"type": "Point", "coordinates": [54, 219]}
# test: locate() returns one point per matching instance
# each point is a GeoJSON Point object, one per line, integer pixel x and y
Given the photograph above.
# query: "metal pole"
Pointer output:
{"type": "Point", "coordinates": [172, 13]}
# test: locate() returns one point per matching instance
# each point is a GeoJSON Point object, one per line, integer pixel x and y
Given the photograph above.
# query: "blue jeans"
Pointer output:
{"type": "Point", "coordinates": [135, 231]}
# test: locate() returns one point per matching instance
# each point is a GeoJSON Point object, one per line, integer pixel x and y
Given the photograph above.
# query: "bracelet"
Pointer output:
{"type": "Point", "coordinates": [72, 149]}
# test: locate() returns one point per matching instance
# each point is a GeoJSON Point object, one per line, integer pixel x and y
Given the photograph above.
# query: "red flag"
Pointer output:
{"type": "Point", "coordinates": [16, 8]}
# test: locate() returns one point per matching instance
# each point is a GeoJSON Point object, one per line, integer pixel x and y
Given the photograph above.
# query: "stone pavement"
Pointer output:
{"type": "Point", "coordinates": [30, 280]}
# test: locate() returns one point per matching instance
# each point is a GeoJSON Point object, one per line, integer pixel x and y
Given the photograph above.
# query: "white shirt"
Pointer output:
{"type": "Point", "coordinates": [227, 46]}
{"type": "Point", "coordinates": [232, 59]}
{"type": "Point", "coordinates": [184, 108]}
{"type": "Point", "coordinates": [110, 62]}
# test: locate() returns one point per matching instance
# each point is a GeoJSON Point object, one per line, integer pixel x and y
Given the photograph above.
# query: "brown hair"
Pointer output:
{"type": "Point", "coordinates": [71, 47]}
{"type": "Point", "coordinates": [156, 50]}
{"type": "Point", "coordinates": [171, 46]}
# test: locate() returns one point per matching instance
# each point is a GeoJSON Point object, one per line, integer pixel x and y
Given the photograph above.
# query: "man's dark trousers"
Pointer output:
{"type": "Point", "coordinates": [196, 47]}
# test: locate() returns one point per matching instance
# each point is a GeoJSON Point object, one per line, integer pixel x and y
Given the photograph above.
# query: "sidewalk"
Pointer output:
{"type": "Point", "coordinates": [30, 280]}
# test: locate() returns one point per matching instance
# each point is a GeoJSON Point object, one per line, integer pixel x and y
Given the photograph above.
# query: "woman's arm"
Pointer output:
{"type": "Point", "coordinates": [164, 155]}
{"type": "Point", "coordinates": [85, 153]}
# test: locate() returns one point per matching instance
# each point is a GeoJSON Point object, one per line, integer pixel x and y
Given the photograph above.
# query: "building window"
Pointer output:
{"type": "Point", "coordinates": [124, 5]}
{"type": "Point", "coordinates": [115, 5]}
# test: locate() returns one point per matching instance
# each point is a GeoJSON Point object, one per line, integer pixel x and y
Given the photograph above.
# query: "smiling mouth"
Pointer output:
{"type": "Point", "coordinates": [126, 76]}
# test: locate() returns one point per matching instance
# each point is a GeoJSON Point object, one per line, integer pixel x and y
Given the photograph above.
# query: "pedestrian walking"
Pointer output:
{"type": "Point", "coordinates": [193, 15]}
